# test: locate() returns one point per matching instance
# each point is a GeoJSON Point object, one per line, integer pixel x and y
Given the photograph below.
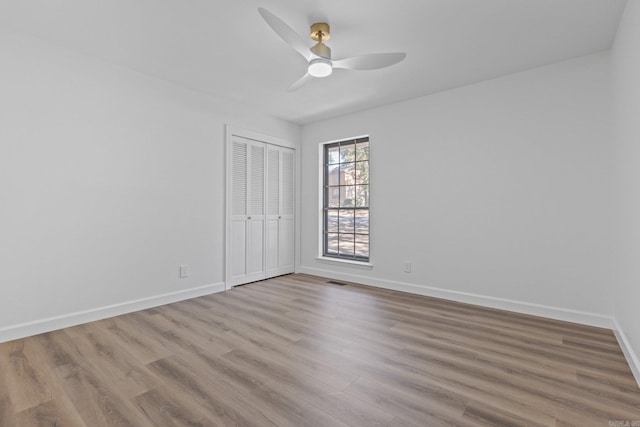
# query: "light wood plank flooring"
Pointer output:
{"type": "Point", "coordinates": [298, 351]}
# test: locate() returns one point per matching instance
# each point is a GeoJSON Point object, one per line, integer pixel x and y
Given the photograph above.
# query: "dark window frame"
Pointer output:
{"type": "Point", "coordinates": [359, 203]}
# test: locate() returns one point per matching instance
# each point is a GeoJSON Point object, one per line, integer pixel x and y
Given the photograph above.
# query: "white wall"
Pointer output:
{"type": "Point", "coordinates": [496, 191]}
{"type": "Point", "coordinates": [109, 180]}
{"type": "Point", "coordinates": [626, 84]}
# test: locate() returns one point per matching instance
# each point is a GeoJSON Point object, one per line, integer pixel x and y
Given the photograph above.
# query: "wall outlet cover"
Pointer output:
{"type": "Point", "coordinates": [406, 266]}
{"type": "Point", "coordinates": [184, 271]}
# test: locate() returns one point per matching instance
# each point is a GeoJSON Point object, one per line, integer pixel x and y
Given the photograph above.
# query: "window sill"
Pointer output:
{"type": "Point", "coordinates": [345, 262]}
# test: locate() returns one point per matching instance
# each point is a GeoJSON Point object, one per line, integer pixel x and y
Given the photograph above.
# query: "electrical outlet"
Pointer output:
{"type": "Point", "coordinates": [184, 271]}
{"type": "Point", "coordinates": [406, 266]}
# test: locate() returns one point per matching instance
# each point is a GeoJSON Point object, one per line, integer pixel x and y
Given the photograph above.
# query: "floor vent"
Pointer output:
{"type": "Point", "coordinates": [331, 282]}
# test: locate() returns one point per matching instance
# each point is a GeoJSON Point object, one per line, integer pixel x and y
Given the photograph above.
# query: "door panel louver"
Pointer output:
{"type": "Point", "coordinates": [239, 179]}
{"type": "Point", "coordinates": [288, 188]}
{"type": "Point", "coordinates": [273, 181]}
{"type": "Point", "coordinates": [257, 180]}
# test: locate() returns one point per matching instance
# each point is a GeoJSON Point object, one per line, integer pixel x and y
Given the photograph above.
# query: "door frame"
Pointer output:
{"type": "Point", "coordinates": [230, 132]}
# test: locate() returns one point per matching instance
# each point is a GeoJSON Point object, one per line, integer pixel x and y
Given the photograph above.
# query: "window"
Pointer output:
{"type": "Point", "coordinates": [346, 200]}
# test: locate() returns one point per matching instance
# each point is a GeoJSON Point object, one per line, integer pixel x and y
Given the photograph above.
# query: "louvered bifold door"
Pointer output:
{"type": "Point", "coordinates": [256, 217]}
{"type": "Point", "coordinates": [261, 211]}
{"type": "Point", "coordinates": [273, 211]}
{"type": "Point", "coordinates": [238, 230]}
{"type": "Point", "coordinates": [286, 217]}
{"type": "Point", "coordinates": [246, 230]}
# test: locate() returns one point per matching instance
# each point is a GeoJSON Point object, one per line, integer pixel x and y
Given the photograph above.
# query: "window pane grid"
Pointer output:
{"type": "Point", "coordinates": [346, 199]}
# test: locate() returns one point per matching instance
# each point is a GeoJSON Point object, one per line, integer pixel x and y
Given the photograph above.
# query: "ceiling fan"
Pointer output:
{"type": "Point", "coordinates": [319, 56]}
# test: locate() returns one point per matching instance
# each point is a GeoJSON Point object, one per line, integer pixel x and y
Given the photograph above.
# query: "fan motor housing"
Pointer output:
{"type": "Point", "coordinates": [320, 31]}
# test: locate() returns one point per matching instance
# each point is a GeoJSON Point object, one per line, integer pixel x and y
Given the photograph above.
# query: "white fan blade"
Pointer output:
{"type": "Point", "coordinates": [372, 61]}
{"type": "Point", "coordinates": [300, 82]}
{"type": "Point", "coordinates": [286, 33]}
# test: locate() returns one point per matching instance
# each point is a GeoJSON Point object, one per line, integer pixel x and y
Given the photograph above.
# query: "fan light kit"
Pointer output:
{"type": "Point", "coordinates": [319, 56]}
{"type": "Point", "coordinates": [320, 67]}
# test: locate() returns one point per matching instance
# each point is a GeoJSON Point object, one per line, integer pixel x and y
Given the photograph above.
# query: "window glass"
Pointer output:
{"type": "Point", "coordinates": [346, 199]}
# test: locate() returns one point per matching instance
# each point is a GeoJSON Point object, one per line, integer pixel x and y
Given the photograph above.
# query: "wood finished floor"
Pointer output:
{"type": "Point", "coordinates": [296, 351]}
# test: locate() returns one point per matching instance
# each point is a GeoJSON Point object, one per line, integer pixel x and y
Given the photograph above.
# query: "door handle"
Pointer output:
{"type": "Point", "coordinates": [248, 217]}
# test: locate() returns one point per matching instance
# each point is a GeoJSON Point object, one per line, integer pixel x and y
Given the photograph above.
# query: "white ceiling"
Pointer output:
{"type": "Point", "coordinates": [224, 48]}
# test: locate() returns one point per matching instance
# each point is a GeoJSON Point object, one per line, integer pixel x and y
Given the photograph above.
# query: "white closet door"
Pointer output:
{"type": "Point", "coordinates": [247, 187]}
{"type": "Point", "coordinates": [273, 210]}
{"type": "Point", "coordinates": [280, 211]}
{"type": "Point", "coordinates": [256, 217]}
{"type": "Point", "coordinates": [286, 232]}
{"type": "Point", "coordinates": [237, 253]}
{"type": "Point", "coordinates": [260, 211]}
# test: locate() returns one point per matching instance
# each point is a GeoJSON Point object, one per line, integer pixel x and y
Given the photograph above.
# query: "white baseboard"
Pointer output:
{"type": "Point", "coordinates": [557, 313]}
{"type": "Point", "coordinates": [629, 354]}
{"type": "Point", "coordinates": [35, 327]}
